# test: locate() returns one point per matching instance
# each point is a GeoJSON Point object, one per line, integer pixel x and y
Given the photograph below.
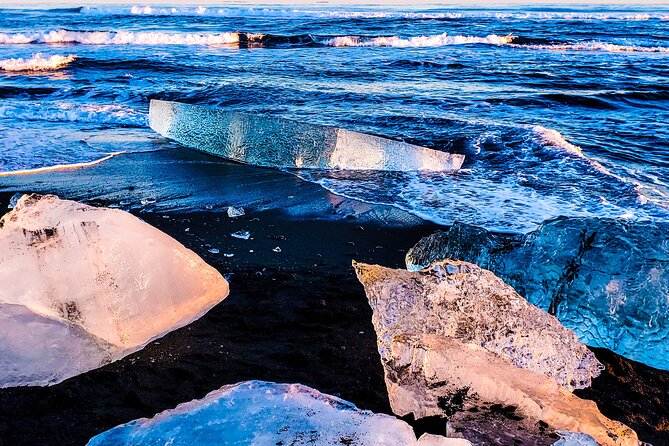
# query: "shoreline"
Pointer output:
{"type": "Point", "coordinates": [295, 316]}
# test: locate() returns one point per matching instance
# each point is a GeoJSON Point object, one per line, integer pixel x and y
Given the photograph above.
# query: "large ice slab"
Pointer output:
{"type": "Point", "coordinates": [83, 286]}
{"type": "Point", "coordinates": [261, 413]}
{"type": "Point", "coordinates": [278, 142]}
{"type": "Point", "coordinates": [455, 337]}
{"type": "Point", "coordinates": [608, 280]}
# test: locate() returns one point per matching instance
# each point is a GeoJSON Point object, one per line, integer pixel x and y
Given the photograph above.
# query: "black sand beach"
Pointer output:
{"type": "Point", "coordinates": [294, 314]}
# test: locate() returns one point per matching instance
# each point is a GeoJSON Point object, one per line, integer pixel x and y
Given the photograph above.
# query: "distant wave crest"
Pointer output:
{"type": "Point", "coordinates": [600, 46]}
{"type": "Point", "coordinates": [419, 41]}
{"type": "Point", "coordinates": [247, 40]}
{"type": "Point", "coordinates": [367, 13]}
{"type": "Point", "coordinates": [120, 38]}
{"type": "Point", "coordinates": [38, 62]}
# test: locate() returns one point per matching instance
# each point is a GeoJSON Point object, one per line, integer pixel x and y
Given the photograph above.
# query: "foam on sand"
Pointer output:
{"type": "Point", "coordinates": [38, 62]}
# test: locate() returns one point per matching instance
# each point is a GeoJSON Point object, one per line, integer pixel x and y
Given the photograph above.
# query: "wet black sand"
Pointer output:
{"type": "Point", "coordinates": [298, 315]}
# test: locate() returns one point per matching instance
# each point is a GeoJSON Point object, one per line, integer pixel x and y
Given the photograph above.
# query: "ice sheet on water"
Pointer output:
{"type": "Point", "coordinates": [266, 414]}
{"type": "Point", "coordinates": [606, 279]}
{"type": "Point", "coordinates": [277, 142]}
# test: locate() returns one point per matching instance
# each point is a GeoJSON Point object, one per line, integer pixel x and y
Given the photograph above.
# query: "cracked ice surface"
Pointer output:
{"type": "Point", "coordinates": [83, 286]}
{"type": "Point", "coordinates": [463, 301]}
{"type": "Point", "coordinates": [261, 413]}
{"type": "Point", "coordinates": [277, 142]}
{"type": "Point", "coordinates": [608, 280]}
{"type": "Point", "coordinates": [455, 337]}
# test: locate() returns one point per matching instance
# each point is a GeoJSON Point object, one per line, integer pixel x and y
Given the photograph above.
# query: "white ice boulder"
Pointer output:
{"type": "Point", "coordinates": [86, 286]}
{"type": "Point", "coordinates": [455, 337]}
{"type": "Point", "coordinates": [261, 413]}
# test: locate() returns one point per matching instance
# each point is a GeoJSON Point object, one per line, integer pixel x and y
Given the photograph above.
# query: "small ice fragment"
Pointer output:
{"type": "Point", "coordinates": [14, 200]}
{"type": "Point", "coordinates": [146, 201]}
{"type": "Point", "coordinates": [235, 212]}
{"type": "Point", "coordinates": [187, 230]}
{"type": "Point", "coordinates": [214, 250]}
{"type": "Point", "coordinates": [244, 235]}
{"type": "Point", "coordinates": [228, 254]}
{"type": "Point", "coordinates": [277, 249]}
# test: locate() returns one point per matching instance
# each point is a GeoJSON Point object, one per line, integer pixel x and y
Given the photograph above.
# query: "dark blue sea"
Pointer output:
{"type": "Point", "coordinates": [559, 111]}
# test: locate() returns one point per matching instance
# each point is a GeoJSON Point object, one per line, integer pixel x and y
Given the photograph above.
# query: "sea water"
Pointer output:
{"type": "Point", "coordinates": [559, 111]}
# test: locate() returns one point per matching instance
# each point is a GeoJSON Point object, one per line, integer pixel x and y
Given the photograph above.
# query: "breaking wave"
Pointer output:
{"type": "Point", "coordinates": [120, 38]}
{"type": "Point", "coordinates": [523, 174]}
{"type": "Point", "coordinates": [253, 40]}
{"type": "Point", "coordinates": [418, 41]}
{"type": "Point", "coordinates": [38, 62]}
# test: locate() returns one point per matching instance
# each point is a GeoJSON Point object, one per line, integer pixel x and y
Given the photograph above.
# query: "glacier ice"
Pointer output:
{"type": "Point", "coordinates": [608, 280]}
{"type": "Point", "coordinates": [87, 286]}
{"type": "Point", "coordinates": [430, 375]}
{"type": "Point", "coordinates": [460, 300]}
{"type": "Point", "coordinates": [455, 337]}
{"type": "Point", "coordinates": [262, 413]}
{"type": "Point", "coordinates": [278, 142]}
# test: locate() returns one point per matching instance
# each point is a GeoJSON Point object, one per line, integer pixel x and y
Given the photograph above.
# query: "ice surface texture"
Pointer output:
{"type": "Point", "coordinates": [455, 336]}
{"type": "Point", "coordinates": [462, 301]}
{"type": "Point", "coordinates": [277, 142]}
{"type": "Point", "coordinates": [608, 280]}
{"type": "Point", "coordinates": [83, 286]}
{"type": "Point", "coordinates": [258, 413]}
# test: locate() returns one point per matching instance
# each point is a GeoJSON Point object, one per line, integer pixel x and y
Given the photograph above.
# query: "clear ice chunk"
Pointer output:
{"type": "Point", "coordinates": [283, 143]}
{"type": "Point", "coordinates": [460, 300]}
{"type": "Point", "coordinates": [87, 286]}
{"type": "Point", "coordinates": [243, 235]}
{"type": "Point", "coordinates": [261, 413]}
{"type": "Point", "coordinates": [454, 340]}
{"type": "Point", "coordinates": [608, 280]}
{"type": "Point", "coordinates": [234, 212]}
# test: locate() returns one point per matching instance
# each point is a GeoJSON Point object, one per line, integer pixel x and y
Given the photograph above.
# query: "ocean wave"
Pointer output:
{"type": "Point", "coordinates": [260, 40]}
{"type": "Point", "coordinates": [418, 41]}
{"type": "Point", "coordinates": [38, 62]}
{"type": "Point", "coordinates": [594, 45]}
{"type": "Point", "coordinates": [120, 38]}
{"type": "Point", "coordinates": [515, 177]}
{"type": "Point", "coordinates": [69, 112]}
{"type": "Point", "coordinates": [368, 13]}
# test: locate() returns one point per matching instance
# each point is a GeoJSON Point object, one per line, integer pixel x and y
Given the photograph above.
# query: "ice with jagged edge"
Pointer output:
{"type": "Point", "coordinates": [84, 286]}
{"type": "Point", "coordinates": [606, 279]}
{"type": "Point", "coordinates": [283, 143]}
{"type": "Point", "coordinates": [262, 413]}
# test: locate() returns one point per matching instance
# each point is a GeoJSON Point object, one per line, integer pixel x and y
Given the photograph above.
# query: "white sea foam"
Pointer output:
{"type": "Point", "coordinates": [418, 41]}
{"type": "Point", "coordinates": [599, 46]}
{"type": "Point", "coordinates": [120, 38]}
{"type": "Point", "coordinates": [38, 62]}
{"type": "Point", "coordinates": [68, 112]}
